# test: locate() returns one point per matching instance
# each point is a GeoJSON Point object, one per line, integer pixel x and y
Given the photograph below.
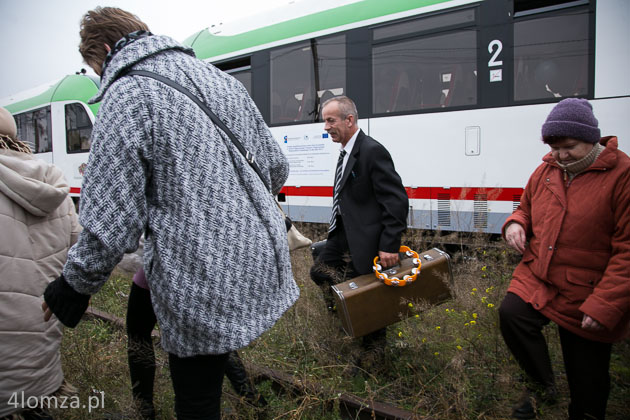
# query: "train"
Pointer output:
{"type": "Point", "coordinates": [456, 90]}
{"type": "Point", "coordinates": [56, 121]}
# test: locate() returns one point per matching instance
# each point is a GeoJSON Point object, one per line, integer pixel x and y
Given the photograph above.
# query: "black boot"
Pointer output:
{"type": "Point", "coordinates": [531, 401]}
{"type": "Point", "coordinates": [525, 408]}
{"type": "Point", "coordinates": [141, 359]}
{"type": "Point", "coordinates": [236, 373]}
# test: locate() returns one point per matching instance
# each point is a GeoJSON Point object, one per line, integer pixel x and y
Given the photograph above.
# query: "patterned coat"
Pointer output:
{"type": "Point", "coordinates": [216, 253]}
{"type": "Point", "coordinates": [578, 258]}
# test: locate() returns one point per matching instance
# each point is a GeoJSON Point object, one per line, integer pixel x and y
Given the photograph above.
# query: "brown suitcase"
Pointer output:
{"type": "Point", "coordinates": [365, 304]}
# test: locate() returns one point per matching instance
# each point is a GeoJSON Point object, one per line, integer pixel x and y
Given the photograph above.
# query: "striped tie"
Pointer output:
{"type": "Point", "coordinates": [335, 208]}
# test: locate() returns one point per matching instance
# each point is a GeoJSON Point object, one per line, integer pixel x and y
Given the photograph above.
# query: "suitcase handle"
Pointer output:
{"type": "Point", "coordinates": [383, 275]}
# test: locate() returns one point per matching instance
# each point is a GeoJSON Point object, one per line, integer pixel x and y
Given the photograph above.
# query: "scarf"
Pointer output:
{"type": "Point", "coordinates": [122, 43]}
{"type": "Point", "coordinates": [573, 169]}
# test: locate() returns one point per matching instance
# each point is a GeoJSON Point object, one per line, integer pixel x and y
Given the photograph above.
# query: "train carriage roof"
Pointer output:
{"type": "Point", "coordinates": [207, 45]}
{"type": "Point", "coordinates": [72, 87]}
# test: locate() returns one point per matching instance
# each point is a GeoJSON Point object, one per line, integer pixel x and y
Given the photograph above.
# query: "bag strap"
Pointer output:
{"type": "Point", "coordinates": [249, 157]}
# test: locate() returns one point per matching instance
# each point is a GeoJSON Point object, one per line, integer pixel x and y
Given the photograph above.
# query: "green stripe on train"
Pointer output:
{"type": "Point", "coordinates": [207, 45]}
{"type": "Point", "coordinates": [70, 88]}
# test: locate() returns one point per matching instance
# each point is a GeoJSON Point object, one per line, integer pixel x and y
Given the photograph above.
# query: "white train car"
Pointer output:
{"type": "Point", "coordinates": [56, 122]}
{"type": "Point", "coordinates": [456, 90]}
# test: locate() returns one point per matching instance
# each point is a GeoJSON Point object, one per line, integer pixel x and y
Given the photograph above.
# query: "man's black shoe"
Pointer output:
{"type": "Point", "coordinates": [530, 402]}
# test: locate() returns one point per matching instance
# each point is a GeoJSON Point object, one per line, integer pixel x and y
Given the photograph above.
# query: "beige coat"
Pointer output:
{"type": "Point", "coordinates": [38, 224]}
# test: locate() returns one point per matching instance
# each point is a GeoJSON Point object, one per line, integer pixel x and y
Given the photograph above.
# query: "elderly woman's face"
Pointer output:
{"type": "Point", "coordinates": [570, 150]}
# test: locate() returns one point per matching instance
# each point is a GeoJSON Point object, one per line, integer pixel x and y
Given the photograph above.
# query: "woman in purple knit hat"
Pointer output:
{"type": "Point", "coordinates": [573, 229]}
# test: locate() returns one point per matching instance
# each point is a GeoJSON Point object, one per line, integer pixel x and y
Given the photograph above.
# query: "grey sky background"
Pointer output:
{"type": "Point", "coordinates": [40, 38]}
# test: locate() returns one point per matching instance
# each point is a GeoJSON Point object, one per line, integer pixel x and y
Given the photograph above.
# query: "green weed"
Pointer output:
{"type": "Point", "coordinates": [444, 362]}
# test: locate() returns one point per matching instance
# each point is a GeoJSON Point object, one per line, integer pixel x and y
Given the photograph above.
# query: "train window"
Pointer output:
{"type": "Point", "coordinates": [244, 75]}
{"type": "Point", "coordinates": [305, 75]}
{"type": "Point", "coordinates": [78, 129]}
{"type": "Point", "coordinates": [551, 55]}
{"type": "Point", "coordinates": [429, 72]}
{"type": "Point", "coordinates": [34, 128]}
{"type": "Point", "coordinates": [424, 24]}
{"type": "Point", "coordinates": [241, 69]}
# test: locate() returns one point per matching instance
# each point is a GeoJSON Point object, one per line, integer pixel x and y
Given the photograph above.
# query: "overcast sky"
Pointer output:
{"type": "Point", "coordinates": [40, 38]}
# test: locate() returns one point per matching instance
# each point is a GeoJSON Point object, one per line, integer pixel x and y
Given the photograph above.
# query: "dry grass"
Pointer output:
{"type": "Point", "coordinates": [445, 362]}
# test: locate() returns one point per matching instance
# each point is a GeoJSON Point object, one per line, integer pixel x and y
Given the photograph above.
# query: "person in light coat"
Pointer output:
{"type": "Point", "coordinates": [215, 253]}
{"type": "Point", "coordinates": [38, 224]}
{"type": "Point", "coordinates": [573, 228]}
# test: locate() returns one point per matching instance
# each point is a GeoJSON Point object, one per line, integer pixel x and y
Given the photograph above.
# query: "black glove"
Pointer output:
{"type": "Point", "coordinates": [67, 304]}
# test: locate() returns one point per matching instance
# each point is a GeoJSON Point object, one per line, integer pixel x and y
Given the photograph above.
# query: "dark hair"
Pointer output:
{"type": "Point", "coordinates": [550, 140]}
{"type": "Point", "coordinates": [105, 25]}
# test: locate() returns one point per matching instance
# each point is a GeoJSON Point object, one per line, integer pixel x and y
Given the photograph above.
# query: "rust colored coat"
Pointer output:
{"type": "Point", "coordinates": [578, 258]}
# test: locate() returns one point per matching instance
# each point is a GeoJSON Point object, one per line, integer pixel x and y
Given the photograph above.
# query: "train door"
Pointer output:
{"type": "Point", "coordinates": [71, 146]}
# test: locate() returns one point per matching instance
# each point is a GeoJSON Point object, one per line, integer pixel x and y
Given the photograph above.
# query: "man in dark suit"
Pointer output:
{"type": "Point", "coordinates": [370, 206]}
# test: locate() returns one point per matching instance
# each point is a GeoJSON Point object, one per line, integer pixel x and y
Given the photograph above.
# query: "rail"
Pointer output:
{"type": "Point", "coordinates": [351, 406]}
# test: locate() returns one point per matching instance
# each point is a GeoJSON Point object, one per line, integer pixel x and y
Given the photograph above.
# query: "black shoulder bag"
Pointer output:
{"type": "Point", "coordinates": [295, 238]}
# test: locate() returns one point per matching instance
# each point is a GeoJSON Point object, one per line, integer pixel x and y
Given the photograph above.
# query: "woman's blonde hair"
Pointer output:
{"type": "Point", "coordinates": [8, 143]}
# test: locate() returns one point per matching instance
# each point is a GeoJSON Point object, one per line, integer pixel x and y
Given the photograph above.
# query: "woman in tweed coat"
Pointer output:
{"type": "Point", "coordinates": [216, 248]}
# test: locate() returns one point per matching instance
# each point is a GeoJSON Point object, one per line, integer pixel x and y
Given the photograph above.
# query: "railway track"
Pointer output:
{"type": "Point", "coordinates": [350, 406]}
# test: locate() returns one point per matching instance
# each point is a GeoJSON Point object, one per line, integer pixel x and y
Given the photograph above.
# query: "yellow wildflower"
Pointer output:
{"type": "Point", "coordinates": [490, 305]}
{"type": "Point", "coordinates": [400, 334]}
{"type": "Point", "coordinates": [437, 328]}
{"type": "Point", "coordinates": [484, 268]}
{"type": "Point", "coordinates": [475, 315]}
{"type": "Point", "coordinates": [410, 305]}
{"type": "Point", "coordinates": [459, 347]}
{"type": "Point", "coordinates": [473, 322]}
